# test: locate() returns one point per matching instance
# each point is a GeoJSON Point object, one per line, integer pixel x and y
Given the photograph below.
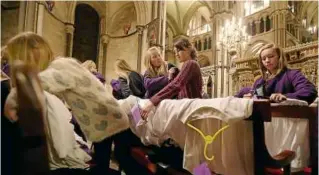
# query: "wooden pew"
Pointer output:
{"type": "Point", "coordinates": [263, 112]}
{"type": "Point", "coordinates": [304, 112]}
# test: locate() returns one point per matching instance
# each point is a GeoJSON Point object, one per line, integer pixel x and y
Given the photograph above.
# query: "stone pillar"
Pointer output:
{"type": "Point", "coordinates": [202, 39]}
{"type": "Point", "coordinates": [104, 42]}
{"type": "Point", "coordinates": [140, 30]}
{"type": "Point", "coordinates": [297, 31]}
{"type": "Point", "coordinates": [215, 30]}
{"type": "Point", "coordinates": [69, 28]}
{"type": "Point", "coordinates": [205, 82]}
{"type": "Point", "coordinates": [265, 23]}
{"type": "Point", "coordinates": [22, 16]}
{"type": "Point", "coordinates": [257, 24]}
{"type": "Point", "coordinates": [30, 16]}
{"type": "Point", "coordinates": [222, 75]}
{"type": "Point", "coordinates": [39, 18]}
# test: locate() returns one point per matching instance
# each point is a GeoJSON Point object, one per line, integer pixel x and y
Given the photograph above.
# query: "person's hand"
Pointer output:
{"type": "Point", "coordinates": [277, 97]}
{"type": "Point", "coordinates": [146, 109]}
{"type": "Point", "coordinates": [10, 107]}
{"type": "Point", "coordinates": [171, 72]}
{"type": "Point", "coordinates": [249, 95]}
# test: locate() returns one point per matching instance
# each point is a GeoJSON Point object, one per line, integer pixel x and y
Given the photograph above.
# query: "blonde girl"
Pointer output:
{"type": "Point", "coordinates": [131, 82]}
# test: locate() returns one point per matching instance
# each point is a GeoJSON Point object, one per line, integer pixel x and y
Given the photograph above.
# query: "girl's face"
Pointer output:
{"type": "Point", "coordinates": [182, 55]}
{"type": "Point", "coordinates": [270, 59]}
{"type": "Point", "coordinates": [156, 60]}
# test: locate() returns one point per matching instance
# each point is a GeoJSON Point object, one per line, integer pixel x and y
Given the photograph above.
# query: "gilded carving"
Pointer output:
{"type": "Point", "coordinates": [303, 57]}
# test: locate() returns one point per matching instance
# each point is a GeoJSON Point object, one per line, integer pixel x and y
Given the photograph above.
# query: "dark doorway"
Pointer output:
{"type": "Point", "coordinates": [86, 33]}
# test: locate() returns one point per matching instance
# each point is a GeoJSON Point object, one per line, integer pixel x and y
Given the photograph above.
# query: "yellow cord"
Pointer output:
{"type": "Point", "coordinates": [208, 139]}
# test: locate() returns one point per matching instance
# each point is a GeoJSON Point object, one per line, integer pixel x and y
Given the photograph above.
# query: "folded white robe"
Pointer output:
{"type": "Point", "coordinates": [289, 134]}
{"type": "Point", "coordinates": [64, 151]}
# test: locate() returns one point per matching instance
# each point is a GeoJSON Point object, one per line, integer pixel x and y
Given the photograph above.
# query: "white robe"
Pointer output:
{"type": "Point", "coordinates": [169, 120]}
{"type": "Point", "coordinates": [64, 151]}
{"type": "Point", "coordinates": [233, 149]}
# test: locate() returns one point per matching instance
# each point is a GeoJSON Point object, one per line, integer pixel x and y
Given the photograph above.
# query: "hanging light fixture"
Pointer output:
{"type": "Point", "coordinates": [233, 36]}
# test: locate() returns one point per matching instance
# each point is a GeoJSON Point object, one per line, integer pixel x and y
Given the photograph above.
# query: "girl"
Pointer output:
{"type": "Point", "coordinates": [156, 76]}
{"type": "Point", "coordinates": [91, 66]}
{"type": "Point", "coordinates": [278, 82]}
{"type": "Point", "coordinates": [187, 84]}
{"type": "Point", "coordinates": [131, 82]}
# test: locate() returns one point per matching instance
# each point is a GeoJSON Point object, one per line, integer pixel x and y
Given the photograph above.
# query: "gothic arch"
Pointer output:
{"type": "Point", "coordinates": [203, 61]}
{"type": "Point", "coordinates": [96, 5]}
{"type": "Point", "coordinates": [174, 26]}
{"type": "Point", "coordinates": [127, 13]}
{"type": "Point", "coordinates": [142, 11]}
{"type": "Point", "coordinates": [254, 48]}
{"type": "Point", "coordinates": [194, 7]}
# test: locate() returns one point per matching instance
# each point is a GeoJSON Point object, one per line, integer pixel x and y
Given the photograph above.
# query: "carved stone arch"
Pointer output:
{"type": "Point", "coordinates": [100, 9]}
{"type": "Point", "coordinates": [126, 13]}
{"type": "Point", "coordinates": [194, 7]}
{"type": "Point", "coordinates": [305, 7]}
{"type": "Point", "coordinates": [170, 26]}
{"type": "Point", "coordinates": [314, 15]}
{"type": "Point", "coordinates": [142, 10]}
{"type": "Point", "coordinates": [263, 15]}
{"type": "Point", "coordinates": [254, 47]}
{"type": "Point", "coordinates": [203, 61]}
{"type": "Point", "coordinates": [206, 36]}
{"type": "Point", "coordinates": [175, 27]}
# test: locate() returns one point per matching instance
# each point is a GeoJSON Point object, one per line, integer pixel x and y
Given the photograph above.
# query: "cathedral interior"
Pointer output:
{"type": "Point", "coordinates": [104, 31]}
{"type": "Point", "coordinates": [227, 35]}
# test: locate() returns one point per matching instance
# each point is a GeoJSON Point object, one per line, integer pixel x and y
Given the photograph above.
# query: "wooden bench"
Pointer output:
{"type": "Point", "coordinates": [263, 112]}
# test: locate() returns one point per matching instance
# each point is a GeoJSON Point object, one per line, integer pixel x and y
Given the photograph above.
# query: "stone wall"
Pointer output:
{"type": "Point", "coordinates": [9, 24]}
{"type": "Point", "coordinates": [121, 48]}
{"type": "Point", "coordinates": [54, 33]}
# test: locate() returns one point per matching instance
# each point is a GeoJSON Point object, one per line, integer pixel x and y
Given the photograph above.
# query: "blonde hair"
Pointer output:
{"type": "Point", "coordinates": [90, 65]}
{"type": "Point", "coordinates": [162, 70]}
{"type": "Point", "coordinates": [30, 48]}
{"type": "Point", "coordinates": [122, 68]}
{"type": "Point", "coordinates": [281, 60]}
{"type": "Point", "coordinates": [4, 54]}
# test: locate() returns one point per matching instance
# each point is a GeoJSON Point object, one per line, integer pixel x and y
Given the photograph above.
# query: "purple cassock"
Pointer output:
{"type": "Point", "coordinates": [99, 76]}
{"type": "Point", "coordinates": [154, 85]}
{"type": "Point", "coordinates": [6, 69]}
{"type": "Point", "coordinates": [243, 91]}
{"type": "Point", "coordinates": [290, 83]}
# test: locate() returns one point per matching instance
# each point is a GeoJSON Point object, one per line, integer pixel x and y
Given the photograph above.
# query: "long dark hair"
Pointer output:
{"type": "Point", "coordinates": [183, 43]}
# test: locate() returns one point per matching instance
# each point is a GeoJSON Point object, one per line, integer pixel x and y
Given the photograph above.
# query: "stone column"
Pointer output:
{"type": "Point", "coordinates": [140, 30]}
{"type": "Point", "coordinates": [30, 19]}
{"type": "Point", "coordinates": [265, 23]}
{"type": "Point", "coordinates": [69, 28]}
{"type": "Point", "coordinates": [205, 82]}
{"type": "Point", "coordinates": [202, 39]}
{"type": "Point", "coordinates": [215, 31]}
{"type": "Point", "coordinates": [297, 31]}
{"type": "Point", "coordinates": [39, 18]}
{"type": "Point", "coordinates": [257, 24]}
{"type": "Point", "coordinates": [105, 41]}
{"type": "Point", "coordinates": [22, 16]}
